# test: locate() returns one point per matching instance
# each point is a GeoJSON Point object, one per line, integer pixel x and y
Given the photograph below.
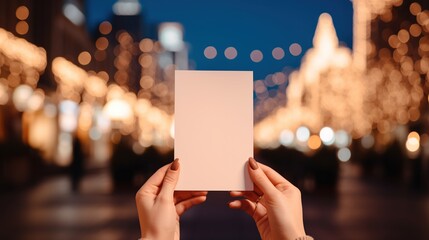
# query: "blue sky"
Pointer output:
{"type": "Point", "coordinates": [245, 25]}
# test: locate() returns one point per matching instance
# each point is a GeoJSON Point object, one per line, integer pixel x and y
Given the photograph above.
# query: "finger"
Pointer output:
{"type": "Point", "coordinates": [170, 180]}
{"type": "Point", "coordinates": [188, 203]}
{"type": "Point", "coordinates": [243, 204]}
{"type": "Point", "coordinates": [153, 184]}
{"type": "Point", "coordinates": [183, 195]}
{"type": "Point", "coordinates": [259, 178]}
{"type": "Point", "coordinates": [252, 196]}
{"type": "Point", "coordinates": [255, 190]}
{"type": "Point", "coordinates": [249, 207]}
{"type": "Point", "coordinates": [237, 193]}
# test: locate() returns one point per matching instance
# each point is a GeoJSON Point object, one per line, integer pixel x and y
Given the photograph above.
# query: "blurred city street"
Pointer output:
{"type": "Point", "coordinates": [359, 209]}
{"type": "Point", "coordinates": [92, 96]}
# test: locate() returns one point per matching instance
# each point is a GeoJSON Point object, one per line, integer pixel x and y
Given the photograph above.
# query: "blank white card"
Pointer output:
{"type": "Point", "coordinates": [213, 129]}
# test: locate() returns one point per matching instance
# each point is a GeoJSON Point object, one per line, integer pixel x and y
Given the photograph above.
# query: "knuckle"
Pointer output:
{"type": "Point", "coordinates": [139, 195]}
{"type": "Point", "coordinates": [283, 187]}
{"type": "Point", "coordinates": [169, 178]}
{"type": "Point", "coordinates": [259, 178]}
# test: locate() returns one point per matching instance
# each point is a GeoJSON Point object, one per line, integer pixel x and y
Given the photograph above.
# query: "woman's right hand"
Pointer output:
{"type": "Point", "coordinates": [275, 204]}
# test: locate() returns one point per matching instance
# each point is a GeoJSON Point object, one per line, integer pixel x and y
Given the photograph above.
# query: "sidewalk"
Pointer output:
{"type": "Point", "coordinates": [359, 210]}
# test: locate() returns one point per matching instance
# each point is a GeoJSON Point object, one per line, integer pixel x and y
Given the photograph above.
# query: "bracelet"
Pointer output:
{"type": "Point", "coordinates": [305, 238]}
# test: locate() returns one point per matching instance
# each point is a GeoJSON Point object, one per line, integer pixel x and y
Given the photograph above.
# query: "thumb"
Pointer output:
{"type": "Point", "coordinates": [170, 179]}
{"type": "Point", "coordinates": [260, 179]}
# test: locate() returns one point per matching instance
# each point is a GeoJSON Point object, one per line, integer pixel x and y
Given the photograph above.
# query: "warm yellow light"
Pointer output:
{"type": "Point", "coordinates": [403, 36]}
{"type": "Point", "coordinates": [4, 96]}
{"type": "Point", "coordinates": [415, 8]}
{"type": "Point", "coordinates": [146, 82]}
{"type": "Point", "coordinates": [414, 114]}
{"type": "Point", "coordinates": [13, 80]}
{"type": "Point", "coordinates": [84, 58]}
{"type": "Point", "coordinates": [114, 91]}
{"type": "Point", "coordinates": [145, 60]}
{"type": "Point", "coordinates": [414, 135]}
{"type": "Point", "coordinates": [36, 100]}
{"type": "Point", "coordinates": [68, 73]}
{"type": "Point", "coordinates": [103, 75]}
{"type": "Point", "coordinates": [124, 38]}
{"type": "Point", "coordinates": [102, 43]}
{"type": "Point", "coordinates": [413, 142]}
{"type": "Point", "coordinates": [394, 41]}
{"type": "Point", "coordinates": [20, 97]}
{"type": "Point", "coordinates": [142, 106]}
{"type": "Point", "coordinates": [325, 38]}
{"type": "Point", "coordinates": [22, 13]}
{"type": "Point", "coordinates": [415, 30]}
{"type": "Point", "coordinates": [21, 50]}
{"type": "Point", "coordinates": [118, 110]}
{"type": "Point", "coordinates": [146, 45]}
{"type": "Point", "coordinates": [22, 27]}
{"type": "Point", "coordinates": [423, 17]}
{"type": "Point", "coordinates": [314, 142]}
{"type": "Point", "coordinates": [105, 27]}
{"type": "Point", "coordinates": [95, 86]}
{"type": "Point", "coordinates": [85, 116]}
{"type": "Point", "coordinates": [42, 133]}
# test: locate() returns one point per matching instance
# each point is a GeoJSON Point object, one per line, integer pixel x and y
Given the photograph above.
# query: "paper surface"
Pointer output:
{"type": "Point", "coordinates": [213, 129]}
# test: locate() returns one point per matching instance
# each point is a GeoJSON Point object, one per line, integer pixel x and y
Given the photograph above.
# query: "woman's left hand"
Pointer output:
{"type": "Point", "coordinates": [160, 207]}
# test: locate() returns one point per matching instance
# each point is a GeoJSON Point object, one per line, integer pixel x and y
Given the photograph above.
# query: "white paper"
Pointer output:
{"type": "Point", "coordinates": [213, 129]}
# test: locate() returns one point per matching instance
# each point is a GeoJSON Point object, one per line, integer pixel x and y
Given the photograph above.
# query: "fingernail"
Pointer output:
{"type": "Point", "coordinates": [175, 165]}
{"type": "Point", "coordinates": [253, 163]}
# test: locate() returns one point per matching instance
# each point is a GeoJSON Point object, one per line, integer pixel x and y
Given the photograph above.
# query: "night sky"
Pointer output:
{"type": "Point", "coordinates": [245, 25]}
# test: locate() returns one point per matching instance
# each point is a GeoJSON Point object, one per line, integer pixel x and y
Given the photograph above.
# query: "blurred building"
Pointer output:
{"type": "Point", "coordinates": [59, 82]}
{"type": "Point", "coordinates": [57, 26]}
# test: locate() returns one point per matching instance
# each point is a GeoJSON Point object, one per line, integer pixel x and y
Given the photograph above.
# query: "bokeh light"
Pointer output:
{"type": "Point", "coordinates": [413, 142]}
{"type": "Point", "coordinates": [21, 96]}
{"type": "Point", "coordinates": [231, 53]}
{"type": "Point", "coordinates": [344, 154]}
{"type": "Point", "coordinates": [102, 43]}
{"type": "Point", "coordinates": [256, 56]}
{"type": "Point", "coordinates": [22, 13]}
{"type": "Point", "coordinates": [210, 52]}
{"type": "Point", "coordinates": [84, 58]}
{"type": "Point", "coordinates": [302, 134]}
{"type": "Point", "coordinates": [295, 49]}
{"type": "Point", "coordinates": [314, 142]}
{"type": "Point", "coordinates": [286, 138]}
{"type": "Point", "coordinates": [278, 53]}
{"type": "Point", "coordinates": [22, 27]}
{"type": "Point", "coordinates": [146, 45]}
{"type": "Point", "coordinates": [327, 136]}
{"type": "Point", "coordinates": [105, 27]}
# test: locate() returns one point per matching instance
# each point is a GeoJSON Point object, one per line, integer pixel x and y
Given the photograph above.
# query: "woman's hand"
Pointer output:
{"type": "Point", "coordinates": [275, 204]}
{"type": "Point", "coordinates": [160, 207]}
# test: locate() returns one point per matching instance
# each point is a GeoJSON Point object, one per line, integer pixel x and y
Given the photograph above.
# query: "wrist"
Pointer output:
{"type": "Point", "coordinates": [304, 237]}
{"type": "Point", "coordinates": [158, 236]}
